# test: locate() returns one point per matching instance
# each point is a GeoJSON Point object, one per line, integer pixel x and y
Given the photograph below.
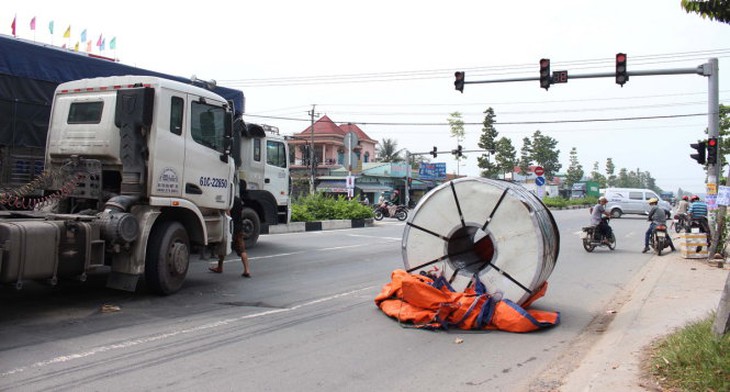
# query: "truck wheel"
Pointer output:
{"type": "Point", "coordinates": [168, 257]}
{"type": "Point", "coordinates": [251, 226]}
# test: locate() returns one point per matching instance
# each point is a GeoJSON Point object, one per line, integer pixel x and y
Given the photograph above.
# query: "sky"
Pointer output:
{"type": "Point", "coordinates": [388, 66]}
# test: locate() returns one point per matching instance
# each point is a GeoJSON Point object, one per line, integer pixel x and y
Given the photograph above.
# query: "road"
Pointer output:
{"type": "Point", "coordinates": [306, 321]}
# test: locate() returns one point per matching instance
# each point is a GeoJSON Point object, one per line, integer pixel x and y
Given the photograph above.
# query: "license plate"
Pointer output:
{"type": "Point", "coordinates": [661, 234]}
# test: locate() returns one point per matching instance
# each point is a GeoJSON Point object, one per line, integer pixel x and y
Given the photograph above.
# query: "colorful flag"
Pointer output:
{"type": "Point", "coordinates": [83, 36]}
{"type": "Point", "coordinates": [67, 34]}
{"type": "Point", "coordinates": [12, 26]}
{"type": "Point", "coordinates": [76, 47]}
{"type": "Point", "coordinates": [113, 43]}
{"type": "Point", "coordinates": [88, 46]}
{"type": "Point", "coordinates": [32, 24]}
{"type": "Point", "coordinates": [103, 44]}
{"type": "Point", "coordinates": [50, 27]}
{"type": "Point", "coordinates": [98, 42]}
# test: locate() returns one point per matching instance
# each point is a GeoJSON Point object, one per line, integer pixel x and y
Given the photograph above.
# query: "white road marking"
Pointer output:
{"type": "Point", "coordinates": [167, 335]}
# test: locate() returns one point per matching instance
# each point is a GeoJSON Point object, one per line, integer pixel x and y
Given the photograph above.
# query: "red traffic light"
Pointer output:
{"type": "Point", "coordinates": [621, 57]}
{"type": "Point", "coordinates": [712, 142]}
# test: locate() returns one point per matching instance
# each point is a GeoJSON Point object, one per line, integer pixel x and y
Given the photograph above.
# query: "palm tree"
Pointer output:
{"type": "Point", "coordinates": [388, 151]}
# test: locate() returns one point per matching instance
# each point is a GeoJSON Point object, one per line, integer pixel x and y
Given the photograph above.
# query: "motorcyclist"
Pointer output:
{"type": "Point", "coordinates": [657, 216]}
{"type": "Point", "coordinates": [393, 202]}
{"type": "Point", "coordinates": [682, 208]}
{"type": "Point", "coordinates": [597, 212]}
{"type": "Point", "coordinates": [698, 212]}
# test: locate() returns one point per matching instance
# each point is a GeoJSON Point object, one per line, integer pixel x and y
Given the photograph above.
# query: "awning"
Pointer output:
{"type": "Point", "coordinates": [372, 187]}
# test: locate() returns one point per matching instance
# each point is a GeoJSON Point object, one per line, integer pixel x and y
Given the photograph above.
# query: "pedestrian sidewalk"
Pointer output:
{"type": "Point", "coordinates": [666, 294]}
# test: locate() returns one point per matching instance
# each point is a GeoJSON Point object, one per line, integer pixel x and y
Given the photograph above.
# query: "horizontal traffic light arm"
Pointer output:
{"type": "Point", "coordinates": [677, 71]}
{"type": "Point", "coordinates": [443, 152]}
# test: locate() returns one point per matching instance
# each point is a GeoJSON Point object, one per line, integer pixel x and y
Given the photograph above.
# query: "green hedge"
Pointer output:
{"type": "Point", "coordinates": [319, 207]}
{"type": "Point", "coordinates": [559, 202]}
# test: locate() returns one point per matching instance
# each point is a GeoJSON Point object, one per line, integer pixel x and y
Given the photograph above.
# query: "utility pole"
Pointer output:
{"type": "Point", "coordinates": [311, 150]}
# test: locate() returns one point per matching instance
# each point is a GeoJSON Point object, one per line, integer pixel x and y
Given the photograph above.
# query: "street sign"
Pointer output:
{"type": "Point", "coordinates": [538, 170]}
{"type": "Point", "coordinates": [540, 180]}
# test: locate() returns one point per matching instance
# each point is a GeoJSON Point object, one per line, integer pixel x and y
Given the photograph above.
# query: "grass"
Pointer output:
{"type": "Point", "coordinates": [692, 359]}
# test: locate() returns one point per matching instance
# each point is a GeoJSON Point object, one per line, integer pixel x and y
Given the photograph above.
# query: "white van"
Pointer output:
{"type": "Point", "coordinates": [632, 201]}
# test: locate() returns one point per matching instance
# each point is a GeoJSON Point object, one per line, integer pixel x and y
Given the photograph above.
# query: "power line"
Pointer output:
{"type": "Point", "coordinates": [589, 120]}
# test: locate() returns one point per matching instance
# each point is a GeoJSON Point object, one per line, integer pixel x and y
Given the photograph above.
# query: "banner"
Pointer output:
{"type": "Point", "coordinates": [432, 171]}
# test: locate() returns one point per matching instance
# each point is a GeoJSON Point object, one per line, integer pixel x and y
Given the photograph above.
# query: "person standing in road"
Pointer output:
{"type": "Point", "coordinates": [657, 216]}
{"type": "Point", "coordinates": [239, 243]}
{"type": "Point", "coordinates": [597, 212]}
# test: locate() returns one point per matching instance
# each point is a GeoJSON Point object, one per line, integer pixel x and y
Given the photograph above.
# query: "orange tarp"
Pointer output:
{"type": "Point", "coordinates": [428, 303]}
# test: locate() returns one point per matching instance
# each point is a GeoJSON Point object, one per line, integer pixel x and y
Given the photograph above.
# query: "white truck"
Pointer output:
{"type": "Point", "coordinates": [138, 172]}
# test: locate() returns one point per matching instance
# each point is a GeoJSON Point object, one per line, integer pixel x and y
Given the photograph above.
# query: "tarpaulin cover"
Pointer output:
{"type": "Point", "coordinates": [426, 302]}
{"type": "Point", "coordinates": [29, 74]}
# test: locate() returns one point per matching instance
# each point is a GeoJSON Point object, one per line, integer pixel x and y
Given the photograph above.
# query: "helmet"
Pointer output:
{"type": "Point", "coordinates": [602, 199]}
{"type": "Point", "coordinates": [653, 200]}
{"type": "Point", "coordinates": [396, 192]}
{"type": "Point", "coordinates": [695, 198]}
{"type": "Point", "coordinates": [685, 197]}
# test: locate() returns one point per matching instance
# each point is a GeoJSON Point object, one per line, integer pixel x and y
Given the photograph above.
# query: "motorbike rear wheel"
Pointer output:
{"type": "Point", "coordinates": [401, 215]}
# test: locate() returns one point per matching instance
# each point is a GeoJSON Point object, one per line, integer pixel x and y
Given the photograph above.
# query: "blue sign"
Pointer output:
{"type": "Point", "coordinates": [540, 180]}
{"type": "Point", "coordinates": [432, 171]}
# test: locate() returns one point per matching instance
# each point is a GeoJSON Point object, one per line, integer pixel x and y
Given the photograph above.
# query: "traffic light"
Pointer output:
{"type": "Point", "coordinates": [458, 151]}
{"type": "Point", "coordinates": [434, 152]}
{"type": "Point", "coordinates": [712, 151]}
{"type": "Point", "coordinates": [622, 75]}
{"type": "Point", "coordinates": [459, 81]}
{"type": "Point", "coordinates": [700, 156]}
{"type": "Point", "coordinates": [545, 73]}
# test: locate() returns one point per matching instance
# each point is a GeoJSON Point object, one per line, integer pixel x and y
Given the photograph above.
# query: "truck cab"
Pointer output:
{"type": "Point", "coordinates": [264, 181]}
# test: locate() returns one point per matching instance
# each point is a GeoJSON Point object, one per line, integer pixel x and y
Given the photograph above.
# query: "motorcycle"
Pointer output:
{"type": "Point", "coordinates": [659, 239]}
{"type": "Point", "coordinates": [682, 223]}
{"type": "Point", "coordinates": [592, 238]}
{"type": "Point", "coordinates": [382, 211]}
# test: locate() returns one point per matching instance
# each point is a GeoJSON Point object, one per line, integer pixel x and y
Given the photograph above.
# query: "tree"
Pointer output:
{"type": "Point", "coordinates": [598, 177]}
{"type": "Point", "coordinates": [718, 10]}
{"type": "Point", "coordinates": [545, 154]}
{"type": "Point", "coordinates": [611, 179]}
{"type": "Point", "coordinates": [488, 141]}
{"type": "Point", "coordinates": [506, 156]}
{"type": "Point", "coordinates": [525, 156]}
{"type": "Point", "coordinates": [575, 169]}
{"type": "Point", "coordinates": [388, 151]}
{"type": "Point", "coordinates": [456, 125]}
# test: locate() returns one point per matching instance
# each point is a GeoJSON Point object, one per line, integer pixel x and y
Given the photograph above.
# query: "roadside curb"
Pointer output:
{"type": "Point", "coordinates": [299, 227]}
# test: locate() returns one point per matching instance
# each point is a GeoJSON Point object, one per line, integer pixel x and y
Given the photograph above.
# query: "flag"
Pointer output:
{"type": "Point", "coordinates": [113, 43]}
{"type": "Point", "coordinates": [12, 26]}
{"type": "Point", "coordinates": [76, 47]}
{"type": "Point", "coordinates": [83, 36]}
{"type": "Point", "coordinates": [50, 27]}
{"type": "Point", "coordinates": [32, 24]}
{"type": "Point", "coordinates": [88, 46]}
{"type": "Point", "coordinates": [67, 34]}
{"type": "Point", "coordinates": [103, 44]}
{"type": "Point", "coordinates": [98, 42]}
